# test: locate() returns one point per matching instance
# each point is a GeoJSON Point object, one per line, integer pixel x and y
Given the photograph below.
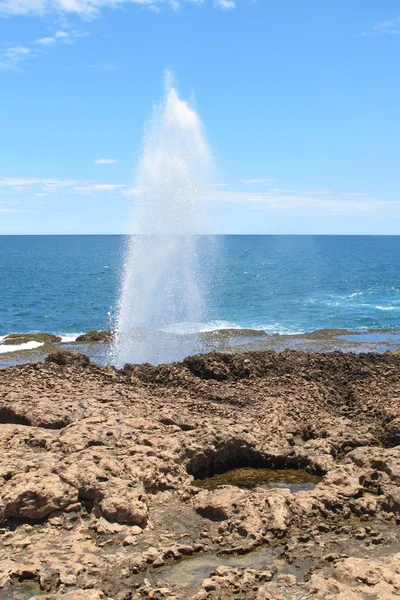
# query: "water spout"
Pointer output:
{"type": "Point", "coordinates": [162, 283]}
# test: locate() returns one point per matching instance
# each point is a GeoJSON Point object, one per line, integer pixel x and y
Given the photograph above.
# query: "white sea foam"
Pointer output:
{"type": "Point", "coordinates": [186, 328]}
{"type": "Point", "coordinates": [69, 337]}
{"type": "Point", "coordinates": [4, 349]}
{"type": "Point", "coordinates": [387, 307]}
{"type": "Point", "coordinates": [218, 325]}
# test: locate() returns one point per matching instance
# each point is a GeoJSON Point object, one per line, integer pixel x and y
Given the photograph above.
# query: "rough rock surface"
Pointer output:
{"type": "Point", "coordinates": [97, 467]}
{"type": "Point", "coordinates": [21, 338]}
{"type": "Point", "coordinates": [96, 336]}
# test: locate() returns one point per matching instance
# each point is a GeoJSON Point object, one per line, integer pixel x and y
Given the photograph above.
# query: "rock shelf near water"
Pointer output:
{"type": "Point", "coordinates": [95, 336]}
{"type": "Point", "coordinates": [97, 468]}
{"type": "Point", "coordinates": [21, 338]}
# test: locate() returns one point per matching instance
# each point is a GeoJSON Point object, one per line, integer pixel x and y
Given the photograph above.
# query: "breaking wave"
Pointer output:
{"type": "Point", "coordinates": [6, 348]}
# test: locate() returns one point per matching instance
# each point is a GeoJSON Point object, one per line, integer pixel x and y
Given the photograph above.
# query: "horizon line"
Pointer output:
{"type": "Point", "coordinates": [203, 234]}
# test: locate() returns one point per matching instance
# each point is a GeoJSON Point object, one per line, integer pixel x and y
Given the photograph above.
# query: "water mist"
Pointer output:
{"type": "Point", "coordinates": [162, 286]}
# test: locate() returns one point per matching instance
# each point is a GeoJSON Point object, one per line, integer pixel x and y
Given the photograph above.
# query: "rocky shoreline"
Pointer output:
{"type": "Point", "coordinates": [98, 467]}
{"type": "Point", "coordinates": [21, 348]}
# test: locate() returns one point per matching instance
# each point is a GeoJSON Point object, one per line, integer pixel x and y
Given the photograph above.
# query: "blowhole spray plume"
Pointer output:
{"type": "Point", "coordinates": [162, 285]}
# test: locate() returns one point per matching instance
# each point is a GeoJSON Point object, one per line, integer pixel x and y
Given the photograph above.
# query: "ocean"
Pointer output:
{"type": "Point", "coordinates": [282, 285]}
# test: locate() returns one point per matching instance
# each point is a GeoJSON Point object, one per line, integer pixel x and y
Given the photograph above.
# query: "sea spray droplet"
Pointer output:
{"type": "Point", "coordinates": [162, 283]}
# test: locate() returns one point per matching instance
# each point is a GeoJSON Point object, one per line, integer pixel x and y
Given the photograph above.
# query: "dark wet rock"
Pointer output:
{"type": "Point", "coordinates": [223, 367]}
{"type": "Point", "coordinates": [96, 336]}
{"type": "Point", "coordinates": [392, 435]}
{"type": "Point", "coordinates": [67, 357]}
{"type": "Point", "coordinates": [22, 338]}
{"type": "Point", "coordinates": [227, 334]}
{"type": "Point", "coordinates": [323, 334]}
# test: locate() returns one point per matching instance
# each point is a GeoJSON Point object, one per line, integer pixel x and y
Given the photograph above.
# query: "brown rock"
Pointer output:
{"type": "Point", "coordinates": [90, 459]}
{"type": "Point", "coordinates": [35, 495]}
{"type": "Point", "coordinates": [128, 506]}
{"type": "Point", "coordinates": [218, 504]}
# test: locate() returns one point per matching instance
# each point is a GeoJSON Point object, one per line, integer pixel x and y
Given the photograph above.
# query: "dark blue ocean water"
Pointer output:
{"type": "Point", "coordinates": [283, 284]}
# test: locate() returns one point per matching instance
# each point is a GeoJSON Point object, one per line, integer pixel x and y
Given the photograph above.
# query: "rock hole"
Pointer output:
{"type": "Point", "coordinates": [87, 504]}
{"type": "Point", "coordinates": [92, 443]}
{"type": "Point", "coordinates": [8, 415]}
{"type": "Point", "coordinates": [237, 463]}
{"type": "Point", "coordinates": [55, 424]}
{"type": "Point", "coordinates": [26, 576]}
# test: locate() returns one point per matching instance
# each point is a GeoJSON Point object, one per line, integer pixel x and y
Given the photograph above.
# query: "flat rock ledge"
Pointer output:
{"type": "Point", "coordinates": [97, 468]}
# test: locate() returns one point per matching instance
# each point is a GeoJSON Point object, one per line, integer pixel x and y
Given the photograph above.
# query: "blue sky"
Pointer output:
{"type": "Point", "coordinates": [300, 101]}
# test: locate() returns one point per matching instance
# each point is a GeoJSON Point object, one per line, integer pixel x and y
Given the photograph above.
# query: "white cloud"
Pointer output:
{"type": "Point", "coordinates": [98, 187]}
{"type": "Point", "coordinates": [105, 161]}
{"type": "Point", "coordinates": [322, 192]}
{"type": "Point", "coordinates": [251, 181]}
{"type": "Point", "coordinates": [47, 185]}
{"type": "Point", "coordinates": [46, 41]}
{"type": "Point", "coordinates": [225, 4]}
{"type": "Point", "coordinates": [18, 183]}
{"type": "Point", "coordinates": [87, 8]}
{"type": "Point", "coordinates": [315, 201]}
{"type": "Point", "coordinates": [12, 58]}
{"type": "Point", "coordinates": [391, 27]}
{"type": "Point", "coordinates": [323, 202]}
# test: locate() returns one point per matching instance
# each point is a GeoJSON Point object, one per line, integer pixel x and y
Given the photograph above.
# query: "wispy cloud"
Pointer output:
{"type": "Point", "coordinates": [22, 191]}
{"type": "Point", "coordinates": [391, 27]}
{"type": "Point", "coordinates": [225, 4]}
{"type": "Point", "coordinates": [256, 181]}
{"type": "Point", "coordinates": [43, 186]}
{"type": "Point", "coordinates": [317, 192]}
{"type": "Point", "coordinates": [45, 41]}
{"type": "Point", "coordinates": [89, 188]}
{"type": "Point", "coordinates": [105, 161]}
{"type": "Point", "coordinates": [21, 183]}
{"type": "Point", "coordinates": [90, 8]}
{"type": "Point", "coordinates": [13, 58]}
{"type": "Point", "coordinates": [323, 201]}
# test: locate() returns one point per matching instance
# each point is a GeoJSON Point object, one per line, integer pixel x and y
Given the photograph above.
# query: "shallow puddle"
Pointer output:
{"type": "Point", "coordinates": [250, 478]}
{"type": "Point", "coordinates": [189, 574]}
{"type": "Point", "coordinates": [22, 591]}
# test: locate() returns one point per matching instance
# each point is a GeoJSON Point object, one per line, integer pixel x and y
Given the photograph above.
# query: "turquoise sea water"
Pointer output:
{"type": "Point", "coordinates": [279, 284]}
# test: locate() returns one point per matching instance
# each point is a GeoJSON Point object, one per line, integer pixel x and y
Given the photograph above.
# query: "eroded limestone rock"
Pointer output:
{"type": "Point", "coordinates": [97, 467]}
